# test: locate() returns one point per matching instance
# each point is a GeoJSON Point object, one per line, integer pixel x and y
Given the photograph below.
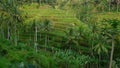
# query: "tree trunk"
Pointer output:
{"type": "Point", "coordinates": [40, 36]}
{"type": "Point", "coordinates": [103, 9]}
{"type": "Point", "coordinates": [35, 39]}
{"type": "Point", "coordinates": [2, 32]}
{"type": "Point", "coordinates": [40, 2]}
{"type": "Point", "coordinates": [8, 36]}
{"type": "Point", "coordinates": [15, 39]}
{"type": "Point", "coordinates": [109, 5]}
{"type": "Point", "coordinates": [99, 60]}
{"type": "Point", "coordinates": [112, 52]}
{"type": "Point", "coordinates": [47, 39]}
{"type": "Point", "coordinates": [117, 5]}
{"type": "Point", "coordinates": [46, 42]}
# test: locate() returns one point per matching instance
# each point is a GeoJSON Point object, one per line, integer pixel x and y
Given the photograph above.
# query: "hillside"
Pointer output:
{"type": "Point", "coordinates": [59, 34]}
{"type": "Point", "coordinates": [61, 19]}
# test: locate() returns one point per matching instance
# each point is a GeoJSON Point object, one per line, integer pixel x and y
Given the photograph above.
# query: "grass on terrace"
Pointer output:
{"type": "Point", "coordinates": [61, 19]}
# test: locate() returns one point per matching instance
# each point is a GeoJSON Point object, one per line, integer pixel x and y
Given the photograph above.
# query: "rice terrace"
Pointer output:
{"type": "Point", "coordinates": [59, 33]}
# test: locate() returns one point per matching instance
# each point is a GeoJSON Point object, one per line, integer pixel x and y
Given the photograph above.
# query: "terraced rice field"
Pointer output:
{"type": "Point", "coordinates": [61, 19]}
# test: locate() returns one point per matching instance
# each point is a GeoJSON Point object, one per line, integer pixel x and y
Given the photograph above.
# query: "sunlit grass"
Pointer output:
{"type": "Point", "coordinates": [61, 19]}
{"type": "Point", "coordinates": [107, 15]}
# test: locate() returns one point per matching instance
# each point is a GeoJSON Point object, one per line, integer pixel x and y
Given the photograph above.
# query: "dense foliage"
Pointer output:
{"type": "Point", "coordinates": [31, 41]}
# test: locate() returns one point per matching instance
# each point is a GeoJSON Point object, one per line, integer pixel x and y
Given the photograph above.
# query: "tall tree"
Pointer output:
{"type": "Point", "coordinates": [46, 26]}
{"type": "Point", "coordinates": [100, 47]}
{"type": "Point", "coordinates": [71, 35]}
{"type": "Point", "coordinates": [111, 30]}
{"type": "Point", "coordinates": [2, 25]}
{"type": "Point", "coordinates": [35, 35]}
{"type": "Point", "coordinates": [10, 8]}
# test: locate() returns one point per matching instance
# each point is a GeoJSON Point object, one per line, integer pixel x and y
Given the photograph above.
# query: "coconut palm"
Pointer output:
{"type": "Point", "coordinates": [111, 31]}
{"type": "Point", "coordinates": [100, 47]}
{"type": "Point", "coordinates": [36, 27]}
{"type": "Point", "coordinates": [71, 37]}
{"type": "Point", "coordinates": [1, 26]}
{"type": "Point", "coordinates": [35, 35]}
{"type": "Point", "coordinates": [10, 7]}
{"type": "Point", "coordinates": [46, 27]}
{"type": "Point", "coordinates": [94, 31]}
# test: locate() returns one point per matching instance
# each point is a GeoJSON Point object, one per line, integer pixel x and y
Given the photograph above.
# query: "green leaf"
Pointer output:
{"type": "Point", "coordinates": [104, 49]}
{"type": "Point", "coordinates": [99, 50]}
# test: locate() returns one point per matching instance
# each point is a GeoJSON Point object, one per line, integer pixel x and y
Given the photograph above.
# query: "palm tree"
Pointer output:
{"type": "Point", "coordinates": [111, 31]}
{"type": "Point", "coordinates": [5, 18]}
{"type": "Point", "coordinates": [8, 24]}
{"type": "Point", "coordinates": [13, 11]}
{"type": "Point", "coordinates": [1, 26]}
{"type": "Point", "coordinates": [100, 47]}
{"type": "Point", "coordinates": [35, 35]}
{"type": "Point", "coordinates": [8, 30]}
{"type": "Point", "coordinates": [37, 28]}
{"type": "Point", "coordinates": [94, 34]}
{"type": "Point", "coordinates": [16, 24]}
{"type": "Point", "coordinates": [71, 37]}
{"type": "Point", "coordinates": [46, 27]}
{"type": "Point", "coordinates": [95, 39]}
{"type": "Point", "coordinates": [14, 14]}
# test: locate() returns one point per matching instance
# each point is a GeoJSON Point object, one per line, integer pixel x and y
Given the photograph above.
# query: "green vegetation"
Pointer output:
{"type": "Point", "coordinates": [59, 34]}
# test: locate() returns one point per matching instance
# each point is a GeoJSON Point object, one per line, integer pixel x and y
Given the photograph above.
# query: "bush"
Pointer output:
{"type": "Point", "coordinates": [70, 59]}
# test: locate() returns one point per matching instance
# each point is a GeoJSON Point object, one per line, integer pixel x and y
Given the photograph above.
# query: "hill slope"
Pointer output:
{"type": "Point", "coordinates": [61, 19]}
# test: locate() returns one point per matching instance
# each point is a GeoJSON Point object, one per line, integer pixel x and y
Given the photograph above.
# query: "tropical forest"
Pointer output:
{"type": "Point", "coordinates": [59, 33]}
